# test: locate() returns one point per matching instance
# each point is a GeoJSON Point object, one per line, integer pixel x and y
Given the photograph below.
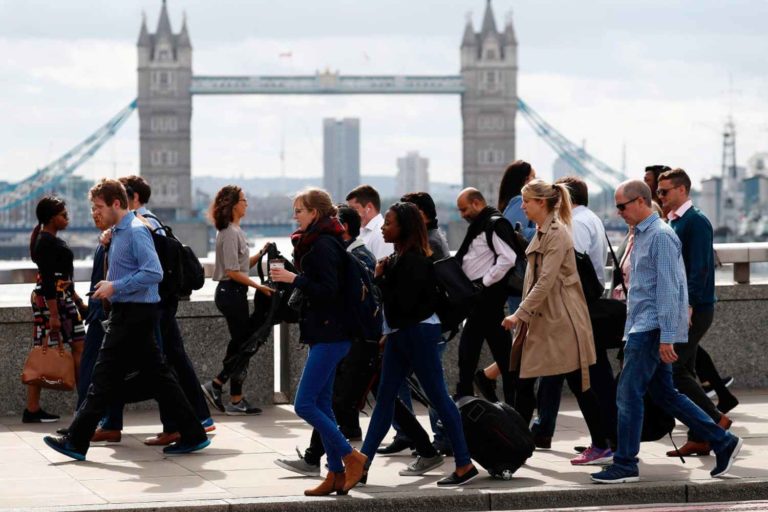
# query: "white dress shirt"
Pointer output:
{"type": "Point", "coordinates": [478, 262]}
{"type": "Point", "coordinates": [374, 239]}
{"type": "Point", "coordinates": [589, 237]}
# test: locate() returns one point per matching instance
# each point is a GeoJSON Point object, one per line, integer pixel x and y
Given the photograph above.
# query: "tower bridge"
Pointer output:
{"type": "Point", "coordinates": [486, 84]}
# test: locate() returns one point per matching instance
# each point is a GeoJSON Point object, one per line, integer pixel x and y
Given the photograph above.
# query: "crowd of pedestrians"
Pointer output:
{"type": "Point", "coordinates": [364, 290]}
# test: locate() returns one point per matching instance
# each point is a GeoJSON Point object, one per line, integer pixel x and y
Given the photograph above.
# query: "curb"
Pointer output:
{"type": "Point", "coordinates": [455, 500]}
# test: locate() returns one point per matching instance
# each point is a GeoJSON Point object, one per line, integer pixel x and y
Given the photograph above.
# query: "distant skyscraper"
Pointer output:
{"type": "Point", "coordinates": [412, 174]}
{"type": "Point", "coordinates": [341, 156]}
{"type": "Point", "coordinates": [562, 168]}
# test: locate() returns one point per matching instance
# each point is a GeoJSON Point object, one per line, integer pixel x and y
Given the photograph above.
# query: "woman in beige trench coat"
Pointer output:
{"type": "Point", "coordinates": [553, 333]}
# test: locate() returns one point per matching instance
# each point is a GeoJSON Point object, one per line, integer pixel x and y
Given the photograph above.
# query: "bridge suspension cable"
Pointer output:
{"type": "Point", "coordinates": [577, 157]}
{"type": "Point", "coordinates": [13, 195]}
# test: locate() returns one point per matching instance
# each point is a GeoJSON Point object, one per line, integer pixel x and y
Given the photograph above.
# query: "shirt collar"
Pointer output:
{"type": "Point", "coordinates": [123, 224]}
{"type": "Point", "coordinates": [646, 223]}
{"type": "Point", "coordinates": [680, 211]}
{"type": "Point", "coordinates": [142, 210]}
{"type": "Point", "coordinates": [374, 223]}
{"type": "Point", "coordinates": [547, 222]}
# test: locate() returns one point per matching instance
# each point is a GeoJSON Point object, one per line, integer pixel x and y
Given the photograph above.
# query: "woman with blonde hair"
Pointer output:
{"type": "Point", "coordinates": [319, 257]}
{"type": "Point", "coordinates": [553, 333]}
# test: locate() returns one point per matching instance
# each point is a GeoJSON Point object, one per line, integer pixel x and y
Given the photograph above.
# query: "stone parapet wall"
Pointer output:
{"type": "Point", "coordinates": [205, 336]}
{"type": "Point", "coordinates": [736, 342]}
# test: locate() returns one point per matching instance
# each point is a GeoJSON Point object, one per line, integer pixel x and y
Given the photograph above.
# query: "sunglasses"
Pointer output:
{"type": "Point", "coordinates": [661, 192]}
{"type": "Point", "coordinates": [623, 206]}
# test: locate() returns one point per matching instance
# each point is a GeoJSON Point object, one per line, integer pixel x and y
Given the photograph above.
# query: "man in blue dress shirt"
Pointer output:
{"type": "Point", "coordinates": [131, 287]}
{"type": "Point", "coordinates": [657, 319]}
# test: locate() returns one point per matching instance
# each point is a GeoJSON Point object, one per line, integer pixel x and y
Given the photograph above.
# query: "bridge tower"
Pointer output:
{"type": "Point", "coordinates": [165, 111]}
{"type": "Point", "coordinates": [489, 103]}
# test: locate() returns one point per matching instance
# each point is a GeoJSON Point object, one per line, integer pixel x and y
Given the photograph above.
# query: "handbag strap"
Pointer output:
{"type": "Point", "coordinates": [616, 264]}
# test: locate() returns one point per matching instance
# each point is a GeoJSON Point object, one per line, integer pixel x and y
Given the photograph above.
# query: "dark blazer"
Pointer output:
{"type": "Point", "coordinates": [320, 283]}
{"type": "Point", "coordinates": [408, 286]}
{"type": "Point", "coordinates": [696, 236]}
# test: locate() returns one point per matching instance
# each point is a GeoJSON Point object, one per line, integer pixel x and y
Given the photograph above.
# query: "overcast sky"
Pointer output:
{"type": "Point", "coordinates": [658, 76]}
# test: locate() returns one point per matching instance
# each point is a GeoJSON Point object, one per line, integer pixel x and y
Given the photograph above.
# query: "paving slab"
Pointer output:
{"type": "Point", "coordinates": [237, 472]}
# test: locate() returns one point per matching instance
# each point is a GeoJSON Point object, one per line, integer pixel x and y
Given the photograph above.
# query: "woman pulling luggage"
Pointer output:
{"type": "Point", "coordinates": [408, 286]}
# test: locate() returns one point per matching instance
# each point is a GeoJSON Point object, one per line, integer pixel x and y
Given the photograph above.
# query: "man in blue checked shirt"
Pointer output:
{"type": "Point", "coordinates": [657, 318]}
{"type": "Point", "coordinates": [129, 344]}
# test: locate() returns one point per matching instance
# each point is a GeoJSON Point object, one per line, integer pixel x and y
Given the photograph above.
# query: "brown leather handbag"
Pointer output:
{"type": "Point", "coordinates": [49, 367]}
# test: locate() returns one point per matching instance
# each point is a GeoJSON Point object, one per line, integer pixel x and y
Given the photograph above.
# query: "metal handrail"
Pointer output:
{"type": "Point", "coordinates": [741, 255]}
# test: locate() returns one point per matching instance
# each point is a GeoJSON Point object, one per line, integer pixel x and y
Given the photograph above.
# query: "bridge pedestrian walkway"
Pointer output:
{"type": "Point", "coordinates": [237, 472]}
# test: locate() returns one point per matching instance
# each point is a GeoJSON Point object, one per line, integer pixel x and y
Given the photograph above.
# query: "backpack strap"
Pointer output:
{"type": "Point", "coordinates": [616, 265]}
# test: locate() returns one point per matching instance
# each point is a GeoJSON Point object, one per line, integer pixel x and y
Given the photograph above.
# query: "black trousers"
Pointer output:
{"type": "Point", "coordinates": [484, 324]}
{"type": "Point", "coordinates": [177, 358]}
{"type": "Point", "coordinates": [684, 369]}
{"type": "Point", "coordinates": [232, 301]}
{"type": "Point", "coordinates": [129, 344]}
{"type": "Point", "coordinates": [587, 400]}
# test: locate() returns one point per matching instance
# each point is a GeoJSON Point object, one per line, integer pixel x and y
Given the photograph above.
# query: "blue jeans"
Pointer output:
{"type": "Point", "coordinates": [414, 349]}
{"type": "Point", "coordinates": [434, 419]}
{"type": "Point", "coordinates": [644, 371]}
{"type": "Point", "coordinates": [314, 399]}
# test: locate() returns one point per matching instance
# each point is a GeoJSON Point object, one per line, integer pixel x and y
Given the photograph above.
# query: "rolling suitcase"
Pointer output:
{"type": "Point", "coordinates": [497, 436]}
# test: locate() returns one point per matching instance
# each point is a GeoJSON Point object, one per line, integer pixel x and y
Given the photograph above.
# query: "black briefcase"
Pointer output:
{"type": "Point", "coordinates": [608, 317]}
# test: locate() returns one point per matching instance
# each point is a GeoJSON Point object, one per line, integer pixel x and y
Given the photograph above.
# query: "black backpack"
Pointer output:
{"type": "Point", "coordinates": [456, 294]}
{"type": "Point", "coordinates": [593, 290]}
{"type": "Point", "coordinates": [363, 319]}
{"type": "Point", "coordinates": [516, 275]}
{"type": "Point", "coordinates": [182, 271]}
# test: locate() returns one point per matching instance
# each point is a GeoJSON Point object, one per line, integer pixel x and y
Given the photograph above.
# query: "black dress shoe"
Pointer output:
{"type": "Point", "coordinates": [396, 446]}
{"type": "Point", "coordinates": [64, 431]}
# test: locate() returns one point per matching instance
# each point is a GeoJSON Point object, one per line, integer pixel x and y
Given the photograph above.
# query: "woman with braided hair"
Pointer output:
{"type": "Point", "coordinates": [58, 310]}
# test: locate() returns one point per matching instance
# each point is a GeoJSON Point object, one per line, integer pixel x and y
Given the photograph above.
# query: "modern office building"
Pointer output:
{"type": "Point", "coordinates": [341, 156]}
{"type": "Point", "coordinates": [412, 174]}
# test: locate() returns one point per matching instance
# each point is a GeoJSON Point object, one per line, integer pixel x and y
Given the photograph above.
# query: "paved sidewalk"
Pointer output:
{"type": "Point", "coordinates": [237, 471]}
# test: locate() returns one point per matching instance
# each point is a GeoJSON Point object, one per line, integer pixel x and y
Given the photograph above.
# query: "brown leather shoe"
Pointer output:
{"type": "Point", "coordinates": [110, 436]}
{"type": "Point", "coordinates": [725, 422]}
{"type": "Point", "coordinates": [691, 448]}
{"type": "Point", "coordinates": [354, 467]}
{"type": "Point", "coordinates": [162, 439]}
{"type": "Point", "coordinates": [334, 482]}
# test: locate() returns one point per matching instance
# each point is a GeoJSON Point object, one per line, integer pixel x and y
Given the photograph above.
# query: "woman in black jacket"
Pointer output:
{"type": "Point", "coordinates": [408, 285]}
{"type": "Point", "coordinates": [319, 256]}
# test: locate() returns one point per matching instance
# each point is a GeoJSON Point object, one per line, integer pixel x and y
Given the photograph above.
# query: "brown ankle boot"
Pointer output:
{"type": "Point", "coordinates": [334, 482]}
{"type": "Point", "coordinates": [354, 466]}
{"type": "Point", "coordinates": [725, 422]}
{"type": "Point", "coordinates": [691, 448]}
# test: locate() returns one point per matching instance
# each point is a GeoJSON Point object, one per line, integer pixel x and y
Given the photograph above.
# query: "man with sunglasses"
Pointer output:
{"type": "Point", "coordinates": [657, 320]}
{"type": "Point", "coordinates": [695, 233]}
